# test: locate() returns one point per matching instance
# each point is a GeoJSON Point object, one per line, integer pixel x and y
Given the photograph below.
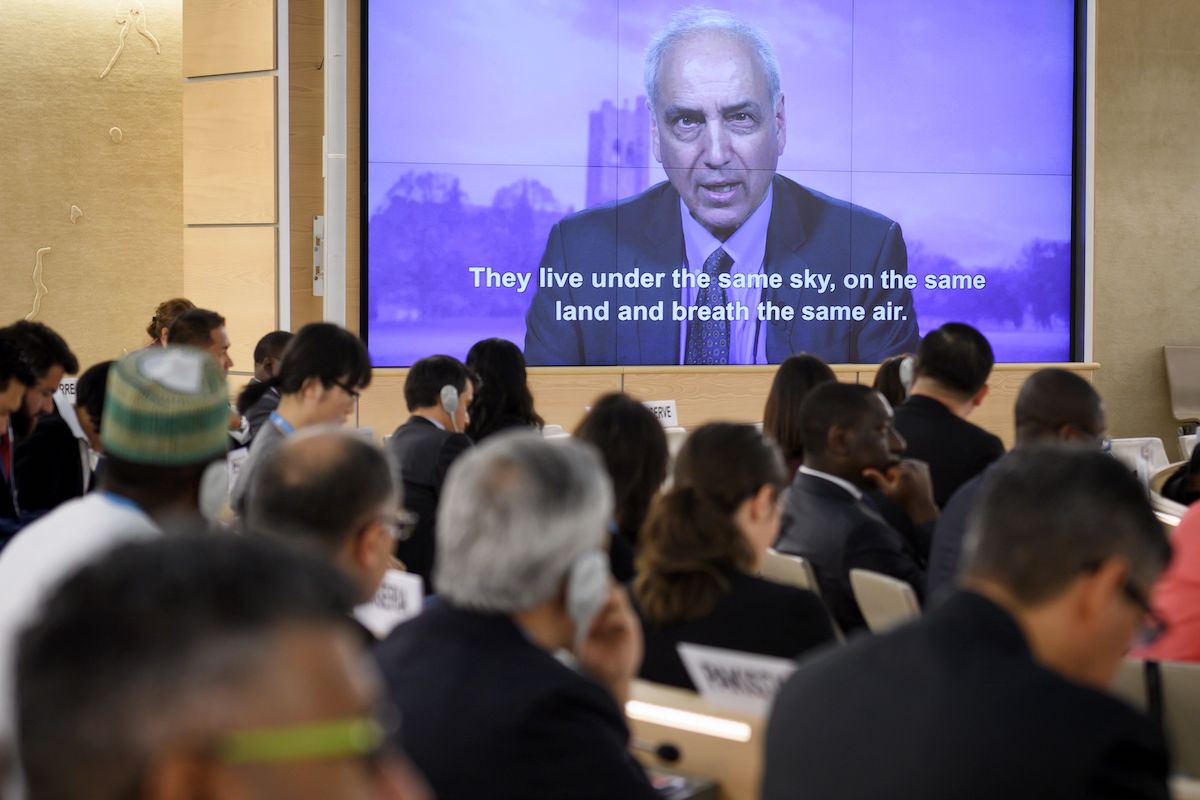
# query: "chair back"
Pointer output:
{"type": "Point", "coordinates": [1142, 455]}
{"type": "Point", "coordinates": [885, 602]}
{"type": "Point", "coordinates": [1169, 692]}
{"type": "Point", "coordinates": [1183, 381]}
{"type": "Point", "coordinates": [790, 570]}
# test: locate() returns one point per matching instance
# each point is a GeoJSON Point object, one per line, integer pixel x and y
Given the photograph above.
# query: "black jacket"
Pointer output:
{"type": "Point", "coordinates": [487, 713]}
{"type": "Point", "coordinates": [836, 533]}
{"type": "Point", "coordinates": [48, 466]}
{"type": "Point", "coordinates": [953, 706]}
{"type": "Point", "coordinates": [424, 453]}
{"type": "Point", "coordinates": [754, 616]}
{"type": "Point", "coordinates": [954, 449]}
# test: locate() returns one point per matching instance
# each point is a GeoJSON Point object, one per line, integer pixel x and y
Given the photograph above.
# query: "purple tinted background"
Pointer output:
{"type": "Point", "coordinates": [953, 118]}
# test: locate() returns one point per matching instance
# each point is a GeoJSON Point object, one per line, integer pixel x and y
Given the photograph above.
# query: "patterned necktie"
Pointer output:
{"type": "Point", "coordinates": [708, 340]}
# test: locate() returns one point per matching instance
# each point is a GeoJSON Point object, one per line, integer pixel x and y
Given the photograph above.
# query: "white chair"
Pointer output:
{"type": "Point", "coordinates": [790, 570]}
{"type": "Point", "coordinates": [1169, 512]}
{"type": "Point", "coordinates": [1187, 443]}
{"type": "Point", "coordinates": [675, 438]}
{"type": "Point", "coordinates": [1143, 455]}
{"type": "Point", "coordinates": [885, 602]}
{"type": "Point", "coordinates": [1179, 702]}
{"type": "Point", "coordinates": [1183, 381]}
{"type": "Point", "coordinates": [1130, 683]}
{"type": "Point", "coordinates": [550, 431]}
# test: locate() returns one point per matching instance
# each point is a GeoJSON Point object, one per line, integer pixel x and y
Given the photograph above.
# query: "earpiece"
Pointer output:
{"type": "Point", "coordinates": [450, 403]}
{"type": "Point", "coordinates": [907, 367]}
{"type": "Point", "coordinates": [587, 591]}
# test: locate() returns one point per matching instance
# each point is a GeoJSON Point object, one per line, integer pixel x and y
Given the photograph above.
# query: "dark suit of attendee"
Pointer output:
{"type": "Point", "coordinates": [836, 532]}
{"type": "Point", "coordinates": [945, 551]}
{"type": "Point", "coordinates": [754, 616]}
{"type": "Point", "coordinates": [955, 449]}
{"type": "Point", "coordinates": [258, 413]}
{"type": "Point", "coordinates": [949, 707]}
{"type": "Point", "coordinates": [487, 713]}
{"type": "Point", "coordinates": [49, 466]}
{"type": "Point", "coordinates": [424, 453]}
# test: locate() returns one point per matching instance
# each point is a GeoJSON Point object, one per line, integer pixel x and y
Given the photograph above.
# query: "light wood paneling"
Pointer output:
{"type": "Point", "coordinates": [221, 37]}
{"type": "Point", "coordinates": [229, 151]}
{"type": "Point", "coordinates": [232, 271]}
{"type": "Point", "coordinates": [306, 98]}
{"type": "Point", "coordinates": [111, 148]}
{"type": "Point", "coordinates": [707, 394]}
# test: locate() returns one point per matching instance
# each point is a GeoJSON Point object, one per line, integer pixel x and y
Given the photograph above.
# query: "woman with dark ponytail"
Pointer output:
{"type": "Point", "coordinates": [701, 548]}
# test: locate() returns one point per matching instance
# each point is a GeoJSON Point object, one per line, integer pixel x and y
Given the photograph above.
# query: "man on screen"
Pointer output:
{"type": "Point", "coordinates": [774, 255]}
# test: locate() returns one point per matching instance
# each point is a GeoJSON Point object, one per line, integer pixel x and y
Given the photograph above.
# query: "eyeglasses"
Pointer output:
{"type": "Point", "coordinates": [401, 524]}
{"type": "Point", "coordinates": [1153, 626]}
{"type": "Point", "coordinates": [354, 393]}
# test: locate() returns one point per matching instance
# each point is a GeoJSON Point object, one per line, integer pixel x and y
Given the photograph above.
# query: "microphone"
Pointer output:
{"type": "Point", "coordinates": [664, 751]}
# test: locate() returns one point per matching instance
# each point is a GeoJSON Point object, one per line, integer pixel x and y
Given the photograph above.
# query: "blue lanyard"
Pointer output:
{"type": "Point", "coordinates": [123, 502]}
{"type": "Point", "coordinates": [282, 423]}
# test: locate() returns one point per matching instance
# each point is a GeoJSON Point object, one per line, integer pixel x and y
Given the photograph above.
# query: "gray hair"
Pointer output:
{"type": "Point", "coordinates": [691, 21]}
{"type": "Point", "coordinates": [515, 514]}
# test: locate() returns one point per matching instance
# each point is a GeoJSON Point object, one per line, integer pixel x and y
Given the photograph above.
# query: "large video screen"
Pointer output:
{"type": "Point", "coordinates": [643, 182]}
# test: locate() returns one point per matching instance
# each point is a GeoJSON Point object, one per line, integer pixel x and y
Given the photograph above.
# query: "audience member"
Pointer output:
{"type": "Point", "coordinates": [163, 425]}
{"type": "Point", "coordinates": [1184, 485]}
{"type": "Point", "coordinates": [794, 379]}
{"type": "Point", "coordinates": [268, 356]}
{"type": "Point", "coordinates": [16, 379]}
{"type": "Point", "coordinates": [951, 373]}
{"type": "Point", "coordinates": [1176, 597]}
{"type": "Point", "coordinates": [1054, 405]}
{"type": "Point", "coordinates": [333, 492]}
{"type": "Point", "coordinates": [438, 392]}
{"type": "Point", "coordinates": [502, 399]}
{"type": "Point", "coordinates": [200, 666]}
{"type": "Point", "coordinates": [54, 463]}
{"type": "Point", "coordinates": [49, 358]}
{"type": "Point", "coordinates": [850, 445]}
{"type": "Point", "coordinates": [702, 546]}
{"type": "Point", "coordinates": [634, 449]}
{"type": "Point", "coordinates": [521, 574]}
{"type": "Point", "coordinates": [1000, 692]}
{"type": "Point", "coordinates": [323, 369]}
{"type": "Point", "coordinates": [205, 330]}
{"type": "Point", "coordinates": [893, 378]}
{"type": "Point", "coordinates": [166, 313]}
{"type": "Point", "coordinates": [48, 355]}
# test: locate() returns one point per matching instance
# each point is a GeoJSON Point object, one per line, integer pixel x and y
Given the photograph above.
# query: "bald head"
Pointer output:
{"type": "Point", "coordinates": [322, 486]}
{"type": "Point", "coordinates": [1055, 404]}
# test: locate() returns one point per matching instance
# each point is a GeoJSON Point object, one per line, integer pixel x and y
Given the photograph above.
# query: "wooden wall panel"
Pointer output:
{"type": "Point", "coordinates": [222, 37]}
{"type": "Point", "coordinates": [306, 98]}
{"type": "Point", "coordinates": [229, 153]}
{"type": "Point", "coordinates": [91, 168]}
{"type": "Point", "coordinates": [232, 271]}
{"type": "Point", "coordinates": [706, 394]}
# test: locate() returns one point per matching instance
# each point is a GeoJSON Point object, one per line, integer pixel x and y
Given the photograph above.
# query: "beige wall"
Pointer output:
{"type": "Point", "coordinates": [106, 271]}
{"type": "Point", "coordinates": [1147, 281]}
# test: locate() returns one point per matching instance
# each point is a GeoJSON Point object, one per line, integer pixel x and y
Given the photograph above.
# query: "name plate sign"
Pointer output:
{"type": "Point", "coordinates": [665, 411]}
{"type": "Point", "coordinates": [399, 598]}
{"type": "Point", "coordinates": [741, 682]}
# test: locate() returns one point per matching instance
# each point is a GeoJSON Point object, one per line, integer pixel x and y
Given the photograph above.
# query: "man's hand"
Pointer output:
{"type": "Point", "coordinates": [908, 484]}
{"type": "Point", "coordinates": [612, 651]}
{"type": "Point", "coordinates": [235, 420]}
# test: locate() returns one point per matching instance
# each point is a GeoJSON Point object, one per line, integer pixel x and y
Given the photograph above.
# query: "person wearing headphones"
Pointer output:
{"type": "Point", "coordinates": [438, 392]}
{"type": "Point", "coordinates": [522, 574]}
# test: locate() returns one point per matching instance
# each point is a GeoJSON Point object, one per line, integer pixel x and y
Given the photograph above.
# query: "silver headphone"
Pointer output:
{"type": "Point", "coordinates": [587, 591]}
{"type": "Point", "coordinates": [449, 397]}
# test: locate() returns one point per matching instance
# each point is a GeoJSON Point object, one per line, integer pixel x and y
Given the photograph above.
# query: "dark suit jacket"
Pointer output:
{"type": "Point", "coordinates": [755, 616]}
{"type": "Point", "coordinates": [260, 412]}
{"type": "Point", "coordinates": [424, 453]}
{"type": "Point", "coordinates": [47, 464]}
{"type": "Point", "coordinates": [955, 449]}
{"type": "Point", "coordinates": [486, 713]}
{"type": "Point", "coordinates": [823, 523]}
{"type": "Point", "coordinates": [945, 552]}
{"type": "Point", "coordinates": [953, 706]}
{"type": "Point", "coordinates": [808, 231]}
